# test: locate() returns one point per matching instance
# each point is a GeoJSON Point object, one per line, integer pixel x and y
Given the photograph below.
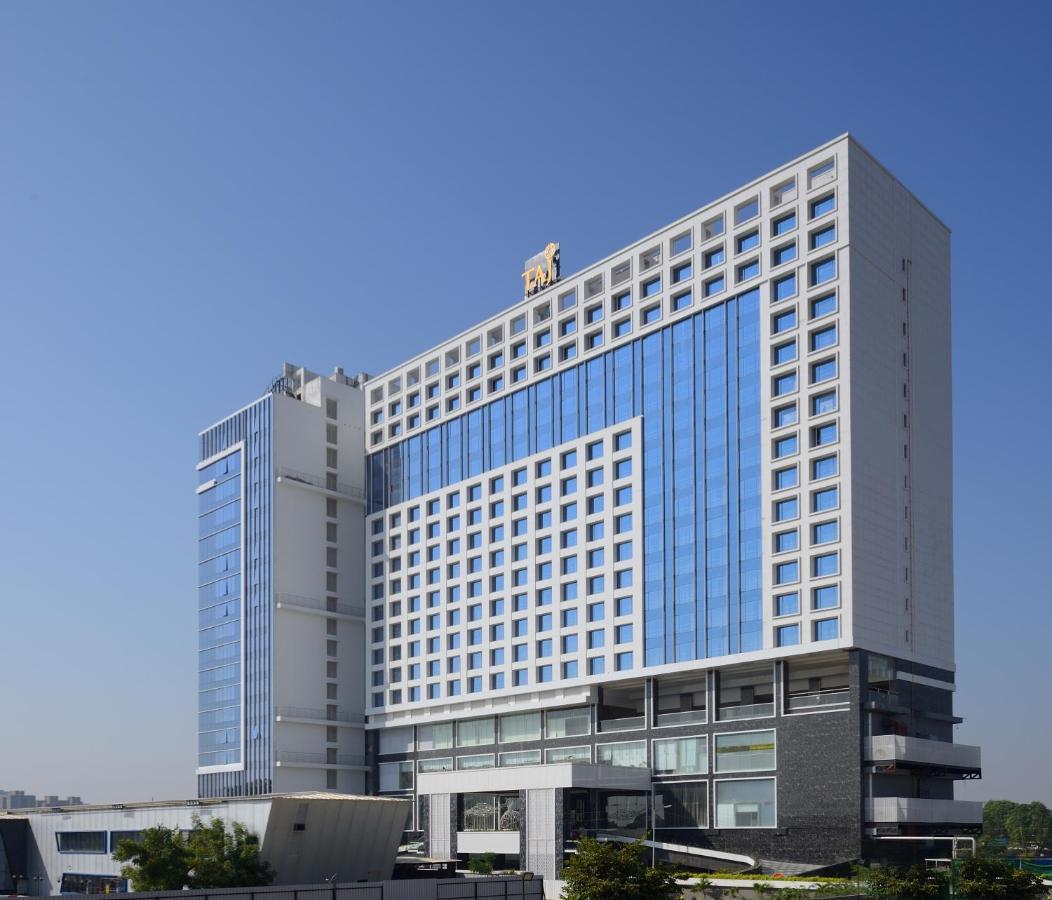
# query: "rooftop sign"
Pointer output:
{"type": "Point", "coordinates": [541, 270]}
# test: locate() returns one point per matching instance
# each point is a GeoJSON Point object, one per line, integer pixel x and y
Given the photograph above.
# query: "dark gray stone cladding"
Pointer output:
{"type": "Point", "coordinates": [820, 772]}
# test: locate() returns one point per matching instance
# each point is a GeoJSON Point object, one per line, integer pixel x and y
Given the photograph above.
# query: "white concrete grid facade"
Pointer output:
{"type": "Point", "coordinates": [787, 234]}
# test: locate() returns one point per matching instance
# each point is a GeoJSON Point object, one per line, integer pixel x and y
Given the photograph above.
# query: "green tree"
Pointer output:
{"type": "Point", "coordinates": [158, 861]}
{"type": "Point", "coordinates": [602, 870]}
{"type": "Point", "coordinates": [220, 858]}
{"type": "Point", "coordinates": [914, 883]}
{"type": "Point", "coordinates": [994, 838]}
{"type": "Point", "coordinates": [1028, 825]}
{"type": "Point", "coordinates": [996, 880]}
{"type": "Point", "coordinates": [210, 857]}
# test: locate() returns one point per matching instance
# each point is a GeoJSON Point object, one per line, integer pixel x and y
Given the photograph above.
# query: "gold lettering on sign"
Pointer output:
{"type": "Point", "coordinates": [539, 276]}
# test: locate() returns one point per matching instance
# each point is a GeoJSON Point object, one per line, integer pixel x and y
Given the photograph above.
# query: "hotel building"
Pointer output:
{"type": "Point", "coordinates": [664, 547]}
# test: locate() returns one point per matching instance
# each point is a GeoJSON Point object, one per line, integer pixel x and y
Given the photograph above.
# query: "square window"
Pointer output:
{"type": "Point", "coordinates": [823, 205]}
{"type": "Point", "coordinates": [743, 212]}
{"type": "Point", "coordinates": [783, 288]}
{"type": "Point", "coordinates": [713, 286]}
{"type": "Point", "coordinates": [827, 629]}
{"type": "Point", "coordinates": [786, 478]}
{"type": "Point", "coordinates": [783, 321]}
{"type": "Point", "coordinates": [823, 306]}
{"type": "Point", "coordinates": [783, 416]}
{"type": "Point", "coordinates": [825, 467]}
{"type": "Point", "coordinates": [682, 272]}
{"type": "Point", "coordinates": [682, 301]}
{"type": "Point", "coordinates": [786, 510]}
{"type": "Point", "coordinates": [825, 532]}
{"type": "Point", "coordinates": [712, 228]}
{"type": "Point", "coordinates": [785, 541]}
{"type": "Point", "coordinates": [823, 403]}
{"type": "Point", "coordinates": [714, 257]}
{"type": "Point", "coordinates": [820, 237]}
{"type": "Point", "coordinates": [822, 271]}
{"type": "Point", "coordinates": [825, 597]}
{"type": "Point", "coordinates": [783, 224]}
{"type": "Point", "coordinates": [651, 314]}
{"type": "Point", "coordinates": [748, 270]}
{"type": "Point", "coordinates": [787, 604]}
{"type": "Point", "coordinates": [621, 328]}
{"type": "Point", "coordinates": [651, 287]}
{"type": "Point", "coordinates": [787, 635]}
{"type": "Point", "coordinates": [783, 353]}
{"type": "Point", "coordinates": [786, 446]}
{"type": "Point", "coordinates": [747, 241]}
{"type": "Point", "coordinates": [681, 243]}
{"type": "Point", "coordinates": [785, 253]}
{"type": "Point", "coordinates": [823, 337]}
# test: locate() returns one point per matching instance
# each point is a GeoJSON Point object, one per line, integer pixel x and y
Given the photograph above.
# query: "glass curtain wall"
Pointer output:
{"type": "Point", "coordinates": [696, 384]}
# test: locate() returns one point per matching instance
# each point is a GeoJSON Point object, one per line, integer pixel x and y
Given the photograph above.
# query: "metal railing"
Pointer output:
{"type": "Point", "coordinates": [339, 607]}
{"type": "Point", "coordinates": [629, 723]}
{"type": "Point", "coordinates": [685, 717]}
{"type": "Point", "coordinates": [319, 715]}
{"type": "Point", "coordinates": [321, 482]}
{"type": "Point", "coordinates": [897, 748]}
{"type": "Point", "coordinates": [818, 699]}
{"type": "Point", "coordinates": [923, 810]}
{"type": "Point", "coordinates": [299, 757]}
{"type": "Point", "coordinates": [746, 711]}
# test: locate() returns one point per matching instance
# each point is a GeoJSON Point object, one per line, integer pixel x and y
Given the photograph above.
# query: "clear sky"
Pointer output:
{"type": "Point", "coordinates": [192, 193]}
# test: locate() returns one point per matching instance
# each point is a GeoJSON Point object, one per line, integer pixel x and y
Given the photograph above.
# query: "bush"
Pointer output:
{"type": "Point", "coordinates": [607, 871]}
{"type": "Point", "coordinates": [992, 878]}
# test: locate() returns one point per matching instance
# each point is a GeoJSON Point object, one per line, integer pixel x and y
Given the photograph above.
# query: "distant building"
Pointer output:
{"type": "Point", "coordinates": [17, 800]}
{"type": "Point", "coordinates": [306, 837]}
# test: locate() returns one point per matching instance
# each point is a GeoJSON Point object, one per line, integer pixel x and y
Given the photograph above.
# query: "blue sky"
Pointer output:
{"type": "Point", "coordinates": [192, 193]}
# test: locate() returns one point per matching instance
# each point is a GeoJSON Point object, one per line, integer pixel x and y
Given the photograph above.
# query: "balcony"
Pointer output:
{"type": "Point", "coordinates": [324, 484]}
{"type": "Point", "coordinates": [962, 759]}
{"type": "Point", "coordinates": [923, 811]}
{"type": "Point", "coordinates": [295, 759]}
{"type": "Point", "coordinates": [817, 700]}
{"type": "Point", "coordinates": [327, 608]}
{"type": "Point", "coordinates": [318, 716]}
{"type": "Point", "coordinates": [884, 701]}
{"type": "Point", "coordinates": [746, 711]}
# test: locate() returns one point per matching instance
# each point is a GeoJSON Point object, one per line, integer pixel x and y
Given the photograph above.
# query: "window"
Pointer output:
{"type": "Point", "coordinates": [785, 253]}
{"type": "Point", "coordinates": [787, 572]}
{"type": "Point", "coordinates": [479, 761]}
{"type": "Point", "coordinates": [783, 321]}
{"type": "Point", "coordinates": [743, 212]}
{"type": "Point", "coordinates": [786, 478]}
{"type": "Point", "coordinates": [783, 224]}
{"type": "Point", "coordinates": [682, 272]}
{"type": "Point", "coordinates": [436, 764]}
{"type": "Point", "coordinates": [787, 604]}
{"type": "Point", "coordinates": [825, 564]}
{"type": "Point", "coordinates": [827, 629]}
{"type": "Point", "coordinates": [747, 241]}
{"type": "Point", "coordinates": [787, 635]}
{"type": "Point", "coordinates": [750, 751]}
{"type": "Point", "coordinates": [823, 337]}
{"type": "Point", "coordinates": [515, 727]}
{"type": "Point", "coordinates": [681, 243]}
{"type": "Point", "coordinates": [783, 353]}
{"type": "Point", "coordinates": [825, 532]}
{"type": "Point", "coordinates": [824, 467]}
{"type": "Point", "coordinates": [682, 301]}
{"type": "Point", "coordinates": [748, 270]}
{"type": "Point", "coordinates": [475, 732]}
{"type": "Point", "coordinates": [783, 416]}
{"type": "Point", "coordinates": [822, 435]}
{"type": "Point", "coordinates": [713, 257]}
{"type": "Point", "coordinates": [681, 756]}
{"type": "Point", "coordinates": [568, 754]}
{"type": "Point", "coordinates": [823, 370]}
{"type": "Point", "coordinates": [713, 286]}
{"type": "Point", "coordinates": [821, 174]}
{"type": "Point", "coordinates": [823, 205]}
{"type": "Point", "coordinates": [825, 597]}
{"type": "Point", "coordinates": [822, 271]}
{"type": "Point", "coordinates": [823, 306]}
{"type": "Point", "coordinates": [396, 776]}
{"type": "Point", "coordinates": [825, 499]}
{"type": "Point", "coordinates": [823, 403]}
{"type": "Point", "coordinates": [784, 384]}
{"type": "Point", "coordinates": [652, 286]}
{"type": "Point", "coordinates": [786, 446]}
{"type": "Point", "coordinates": [822, 236]}
{"type": "Point", "coordinates": [712, 228]}
{"type": "Point", "coordinates": [621, 328]}
{"type": "Point", "coordinates": [783, 288]}
{"type": "Point", "coordinates": [681, 805]}
{"type": "Point", "coordinates": [745, 803]}
{"type": "Point", "coordinates": [651, 314]}
{"type": "Point", "coordinates": [628, 753]}
{"type": "Point", "coordinates": [81, 841]}
{"type": "Point", "coordinates": [786, 540]}
{"type": "Point", "coordinates": [560, 723]}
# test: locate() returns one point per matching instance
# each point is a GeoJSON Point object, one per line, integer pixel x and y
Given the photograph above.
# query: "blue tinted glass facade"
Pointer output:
{"type": "Point", "coordinates": [234, 560]}
{"type": "Point", "coordinates": [696, 385]}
